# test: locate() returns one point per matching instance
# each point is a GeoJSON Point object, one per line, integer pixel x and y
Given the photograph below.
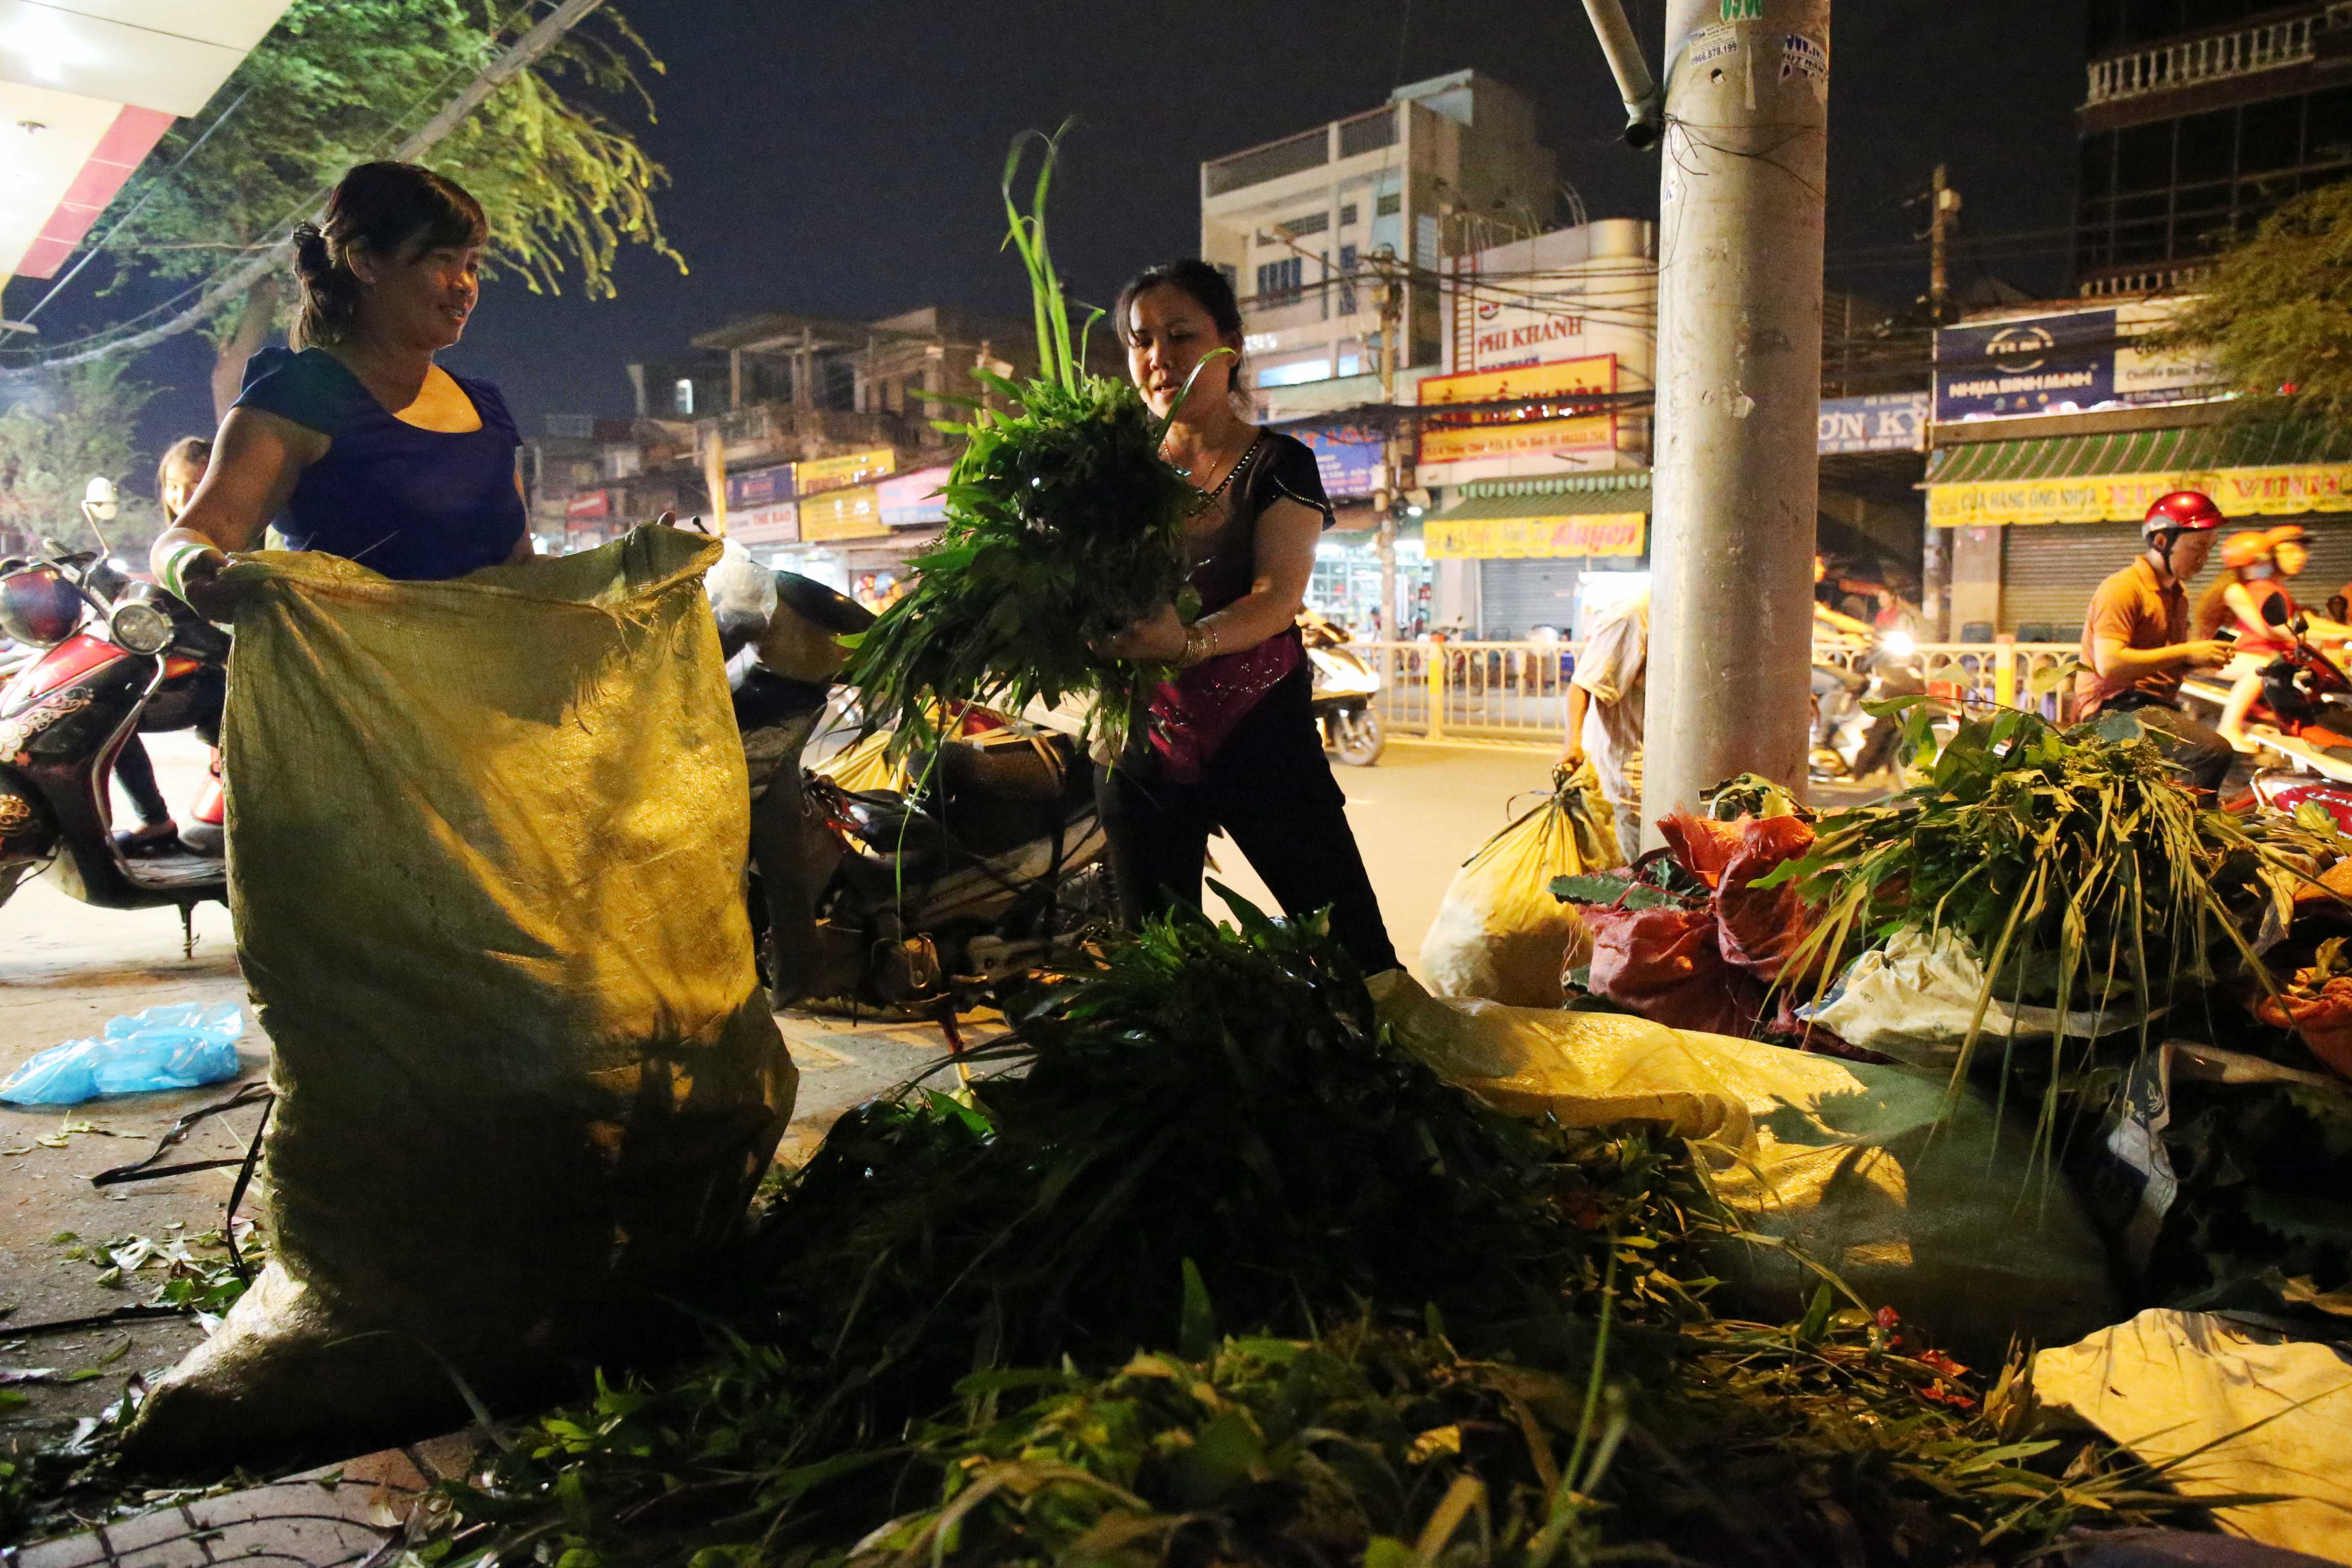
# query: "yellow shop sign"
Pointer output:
{"type": "Point", "coordinates": [2125, 497]}
{"type": "Point", "coordinates": [1524, 538]}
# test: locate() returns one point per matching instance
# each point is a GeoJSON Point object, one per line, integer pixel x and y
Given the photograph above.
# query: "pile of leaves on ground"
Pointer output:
{"type": "Point", "coordinates": [1205, 1268]}
{"type": "Point", "coordinates": [72, 1482]}
{"type": "Point", "coordinates": [2081, 875]}
{"type": "Point", "coordinates": [1064, 527]}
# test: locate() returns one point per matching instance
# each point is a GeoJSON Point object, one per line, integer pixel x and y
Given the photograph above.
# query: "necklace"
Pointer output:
{"type": "Point", "coordinates": [1240, 463]}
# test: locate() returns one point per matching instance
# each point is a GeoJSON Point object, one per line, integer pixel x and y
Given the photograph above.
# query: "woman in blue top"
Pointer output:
{"type": "Point", "coordinates": [356, 443]}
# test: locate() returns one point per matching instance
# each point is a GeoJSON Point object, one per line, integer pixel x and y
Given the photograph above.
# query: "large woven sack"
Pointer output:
{"type": "Point", "coordinates": [1915, 1195]}
{"type": "Point", "coordinates": [1500, 933]}
{"type": "Point", "coordinates": [486, 845]}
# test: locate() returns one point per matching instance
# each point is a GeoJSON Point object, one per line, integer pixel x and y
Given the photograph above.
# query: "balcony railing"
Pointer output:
{"type": "Point", "coordinates": [2166, 68]}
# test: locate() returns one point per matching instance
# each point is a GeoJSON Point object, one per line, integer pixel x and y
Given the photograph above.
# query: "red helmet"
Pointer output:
{"type": "Point", "coordinates": [2182, 511]}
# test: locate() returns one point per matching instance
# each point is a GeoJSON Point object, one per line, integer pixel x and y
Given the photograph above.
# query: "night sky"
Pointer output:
{"type": "Point", "coordinates": [843, 160]}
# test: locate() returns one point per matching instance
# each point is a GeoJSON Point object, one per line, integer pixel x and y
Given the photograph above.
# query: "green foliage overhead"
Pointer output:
{"type": "Point", "coordinates": [73, 426]}
{"type": "Point", "coordinates": [2277, 312]}
{"type": "Point", "coordinates": [337, 82]}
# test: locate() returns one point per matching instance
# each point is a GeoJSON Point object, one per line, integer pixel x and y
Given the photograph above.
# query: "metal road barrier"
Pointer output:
{"type": "Point", "coordinates": [1518, 692]}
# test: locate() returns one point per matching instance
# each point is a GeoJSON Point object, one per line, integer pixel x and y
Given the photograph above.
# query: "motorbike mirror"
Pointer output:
{"type": "Point", "coordinates": [100, 499]}
{"type": "Point", "coordinates": [2275, 611]}
{"type": "Point", "coordinates": [2300, 624]}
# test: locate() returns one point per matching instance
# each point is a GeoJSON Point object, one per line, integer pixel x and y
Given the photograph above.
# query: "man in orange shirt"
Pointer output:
{"type": "Point", "coordinates": [2135, 642]}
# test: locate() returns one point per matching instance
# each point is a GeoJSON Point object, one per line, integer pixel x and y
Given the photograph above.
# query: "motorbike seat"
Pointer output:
{"type": "Point", "coordinates": [764, 698]}
{"type": "Point", "coordinates": [993, 796]}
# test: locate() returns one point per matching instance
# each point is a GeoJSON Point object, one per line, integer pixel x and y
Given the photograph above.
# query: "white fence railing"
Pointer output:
{"type": "Point", "coordinates": [1517, 691]}
{"type": "Point", "coordinates": [2265, 45]}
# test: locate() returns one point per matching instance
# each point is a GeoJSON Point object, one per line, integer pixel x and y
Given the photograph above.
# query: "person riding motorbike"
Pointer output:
{"type": "Point", "coordinates": [2135, 642]}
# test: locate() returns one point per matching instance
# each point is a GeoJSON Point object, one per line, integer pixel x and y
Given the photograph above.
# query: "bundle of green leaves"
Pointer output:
{"type": "Point", "coordinates": [2081, 874]}
{"type": "Point", "coordinates": [1064, 527]}
{"type": "Point", "coordinates": [1827, 1443]}
{"type": "Point", "coordinates": [1218, 1096]}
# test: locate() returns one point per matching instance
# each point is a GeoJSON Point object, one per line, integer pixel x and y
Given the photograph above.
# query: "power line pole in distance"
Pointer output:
{"type": "Point", "coordinates": [1735, 476]}
{"type": "Point", "coordinates": [1943, 217]}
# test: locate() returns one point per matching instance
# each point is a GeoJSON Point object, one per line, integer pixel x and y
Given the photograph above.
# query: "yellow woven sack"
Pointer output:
{"type": "Point", "coordinates": [486, 847]}
{"type": "Point", "coordinates": [1499, 934]}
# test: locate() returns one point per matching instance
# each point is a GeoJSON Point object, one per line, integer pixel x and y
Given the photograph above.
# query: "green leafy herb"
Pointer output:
{"type": "Point", "coordinates": [1064, 527]}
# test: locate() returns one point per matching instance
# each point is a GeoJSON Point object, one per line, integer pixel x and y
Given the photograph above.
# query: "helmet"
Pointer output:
{"type": "Point", "coordinates": [2182, 511]}
{"type": "Point", "coordinates": [2288, 534]}
{"type": "Point", "coordinates": [2251, 547]}
{"type": "Point", "coordinates": [39, 607]}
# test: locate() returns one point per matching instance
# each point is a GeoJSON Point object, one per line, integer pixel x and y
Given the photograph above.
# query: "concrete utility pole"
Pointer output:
{"type": "Point", "coordinates": [1943, 217]}
{"type": "Point", "coordinates": [1391, 468]}
{"type": "Point", "coordinates": [1735, 478]}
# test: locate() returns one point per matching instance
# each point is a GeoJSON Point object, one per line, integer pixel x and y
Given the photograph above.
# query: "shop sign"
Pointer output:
{"type": "Point", "coordinates": [913, 500]}
{"type": "Point", "coordinates": [1349, 459]}
{"type": "Point", "coordinates": [1881, 422]}
{"type": "Point", "coordinates": [843, 514]}
{"type": "Point", "coordinates": [595, 503]}
{"type": "Point", "coordinates": [1514, 434]}
{"type": "Point", "coordinates": [1525, 538]}
{"type": "Point", "coordinates": [775, 523]}
{"type": "Point", "coordinates": [760, 486]}
{"type": "Point", "coordinates": [2282, 492]}
{"type": "Point", "coordinates": [2065, 363]}
{"type": "Point", "coordinates": [850, 469]}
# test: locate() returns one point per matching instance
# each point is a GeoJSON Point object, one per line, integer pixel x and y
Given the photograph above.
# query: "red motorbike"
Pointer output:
{"type": "Point", "coordinates": [111, 657]}
{"type": "Point", "coordinates": [2306, 702]}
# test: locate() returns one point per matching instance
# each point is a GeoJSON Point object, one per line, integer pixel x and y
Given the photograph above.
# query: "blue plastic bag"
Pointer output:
{"type": "Point", "coordinates": [178, 1047]}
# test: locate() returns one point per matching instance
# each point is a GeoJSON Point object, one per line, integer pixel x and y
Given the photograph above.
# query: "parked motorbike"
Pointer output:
{"type": "Point", "coordinates": [1344, 689]}
{"type": "Point", "coordinates": [110, 656]}
{"type": "Point", "coordinates": [980, 860]}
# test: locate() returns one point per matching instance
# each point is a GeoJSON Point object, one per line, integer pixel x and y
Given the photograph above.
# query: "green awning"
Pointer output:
{"type": "Point", "coordinates": [1568, 495]}
{"type": "Point", "coordinates": [2202, 448]}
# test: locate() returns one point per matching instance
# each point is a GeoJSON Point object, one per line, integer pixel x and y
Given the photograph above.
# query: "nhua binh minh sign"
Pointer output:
{"type": "Point", "coordinates": [2066, 362]}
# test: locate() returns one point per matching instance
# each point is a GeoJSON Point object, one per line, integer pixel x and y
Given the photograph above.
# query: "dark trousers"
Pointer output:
{"type": "Point", "coordinates": [136, 771]}
{"type": "Point", "coordinates": [1270, 790]}
{"type": "Point", "coordinates": [2196, 751]}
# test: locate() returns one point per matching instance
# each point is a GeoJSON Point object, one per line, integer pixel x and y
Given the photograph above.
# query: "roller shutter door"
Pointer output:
{"type": "Point", "coordinates": [2050, 570]}
{"type": "Point", "coordinates": [1515, 595]}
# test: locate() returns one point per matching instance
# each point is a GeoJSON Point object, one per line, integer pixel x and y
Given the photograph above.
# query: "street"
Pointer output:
{"type": "Point", "coordinates": [66, 968]}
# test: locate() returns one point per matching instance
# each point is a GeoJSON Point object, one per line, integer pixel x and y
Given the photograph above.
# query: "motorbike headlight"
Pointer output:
{"type": "Point", "coordinates": [141, 627]}
{"type": "Point", "coordinates": [1900, 645]}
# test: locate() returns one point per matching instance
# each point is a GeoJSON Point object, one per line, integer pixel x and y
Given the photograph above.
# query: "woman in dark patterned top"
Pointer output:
{"type": "Point", "coordinates": [356, 443]}
{"type": "Point", "coordinates": [1232, 741]}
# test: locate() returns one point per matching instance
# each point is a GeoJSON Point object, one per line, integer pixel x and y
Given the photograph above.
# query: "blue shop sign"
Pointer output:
{"type": "Point", "coordinates": [1881, 422]}
{"type": "Point", "coordinates": [760, 486]}
{"type": "Point", "coordinates": [2045, 364]}
{"type": "Point", "coordinates": [1347, 457]}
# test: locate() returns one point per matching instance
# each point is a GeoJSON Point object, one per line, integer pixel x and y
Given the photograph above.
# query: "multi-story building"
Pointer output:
{"type": "Point", "coordinates": [2199, 117]}
{"type": "Point", "coordinates": [1445, 166]}
{"type": "Point", "coordinates": [816, 432]}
